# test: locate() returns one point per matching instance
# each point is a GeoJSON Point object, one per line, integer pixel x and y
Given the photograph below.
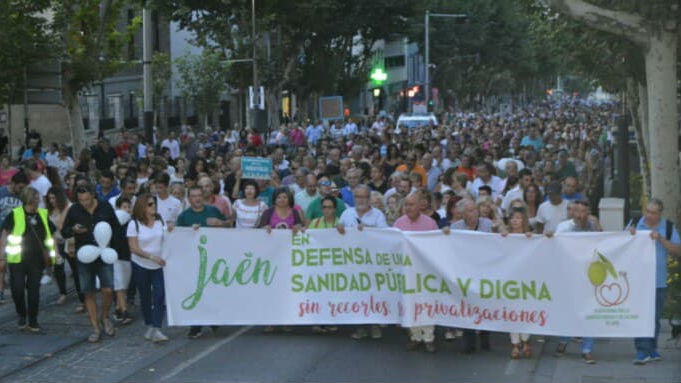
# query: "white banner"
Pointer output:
{"type": "Point", "coordinates": [579, 284]}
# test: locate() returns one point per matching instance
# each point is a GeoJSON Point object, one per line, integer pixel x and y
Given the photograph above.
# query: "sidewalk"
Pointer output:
{"type": "Point", "coordinates": [614, 358]}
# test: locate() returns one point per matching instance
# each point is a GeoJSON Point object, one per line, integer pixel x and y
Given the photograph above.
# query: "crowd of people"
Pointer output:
{"type": "Point", "coordinates": [536, 172]}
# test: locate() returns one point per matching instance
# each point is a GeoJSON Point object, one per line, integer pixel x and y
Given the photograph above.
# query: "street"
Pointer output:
{"type": "Point", "coordinates": [61, 353]}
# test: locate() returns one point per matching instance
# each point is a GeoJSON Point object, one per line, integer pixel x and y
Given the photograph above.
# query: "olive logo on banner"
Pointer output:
{"type": "Point", "coordinates": [611, 288]}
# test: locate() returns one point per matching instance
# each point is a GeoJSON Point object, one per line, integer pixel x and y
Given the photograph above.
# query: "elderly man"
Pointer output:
{"type": "Point", "coordinates": [211, 197]}
{"type": "Point", "coordinates": [666, 237]}
{"type": "Point", "coordinates": [472, 221]}
{"type": "Point", "coordinates": [314, 210]}
{"type": "Point", "coordinates": [304, 197]}
{"type": "Point", "coordinates": [353, 178]}
{"type": "Point", "coordinates": [360, 216]}
{"type": "Point", "coordinates": [413, 220]}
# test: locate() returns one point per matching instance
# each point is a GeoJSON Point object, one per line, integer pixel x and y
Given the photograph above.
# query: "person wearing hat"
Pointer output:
{"type": "Point", "coordinates": [552, 211]}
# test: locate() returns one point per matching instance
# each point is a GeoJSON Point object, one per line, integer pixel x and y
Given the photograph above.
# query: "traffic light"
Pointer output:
{"type": "Point", "coordinates": [378, 75]}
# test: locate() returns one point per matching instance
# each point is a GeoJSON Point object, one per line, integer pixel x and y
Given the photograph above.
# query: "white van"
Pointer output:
{"type": "Point", "coordinates": [412, 121]}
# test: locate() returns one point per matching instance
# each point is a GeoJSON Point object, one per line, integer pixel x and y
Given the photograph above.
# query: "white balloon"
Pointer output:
{"type": "Point", "coordinates": [109, 255]}
{"type": "Point", "coordinates": [123, 216]}
{"type": "Point", "coordinates": [88, 253]}
{"type": "Point", "coordinates": [102, 234]}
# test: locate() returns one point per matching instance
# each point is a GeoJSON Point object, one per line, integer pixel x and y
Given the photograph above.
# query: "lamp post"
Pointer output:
{"type": "Point", "coordinates": [427, 43]}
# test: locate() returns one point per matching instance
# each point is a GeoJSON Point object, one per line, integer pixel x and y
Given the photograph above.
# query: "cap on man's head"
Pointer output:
{"type": "Point", "coordinates": [554, 188]}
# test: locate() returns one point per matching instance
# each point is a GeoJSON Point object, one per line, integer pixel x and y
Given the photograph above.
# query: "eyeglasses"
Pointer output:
{"type": "Point", "coordinates": [328, 207]}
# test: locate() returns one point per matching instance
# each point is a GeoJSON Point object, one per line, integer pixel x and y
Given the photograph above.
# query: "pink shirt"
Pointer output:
{"type": "Point", "coordinates": [222, 204]}
{"type": "Point", "coordinates": [422, 223]}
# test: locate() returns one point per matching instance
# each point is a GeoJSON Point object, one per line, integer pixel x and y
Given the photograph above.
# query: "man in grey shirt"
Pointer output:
{"type": "Point", "coordinates": [472, 221]}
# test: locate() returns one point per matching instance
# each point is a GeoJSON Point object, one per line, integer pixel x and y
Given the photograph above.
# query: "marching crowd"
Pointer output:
{"type": "Point", "coordinates": [538, 171]}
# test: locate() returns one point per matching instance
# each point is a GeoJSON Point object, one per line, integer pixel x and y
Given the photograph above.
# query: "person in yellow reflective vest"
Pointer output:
{"type": "Point", "coordinates": [26, 245]}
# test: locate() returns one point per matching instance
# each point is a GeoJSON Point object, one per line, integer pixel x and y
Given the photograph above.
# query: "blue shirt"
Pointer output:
{"type": "Point", "coordinates": [314, 133]}
{"type": "Point", "coordinates": [660, 251]}
{"type": "Point", "coordinates": [347, 196]}
{"type": "Point", "coordinates": [576, 196]}
{"type": "Point", "coordinates": [537, 143]}
{"type": "Point", "coordinates": [105, 197]}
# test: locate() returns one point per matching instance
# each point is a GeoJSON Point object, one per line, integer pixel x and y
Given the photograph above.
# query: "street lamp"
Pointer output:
{"type": "Point", "coordinates": [427, 37]}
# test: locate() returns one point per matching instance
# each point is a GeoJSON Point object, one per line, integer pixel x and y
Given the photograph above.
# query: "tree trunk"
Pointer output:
{"type": "Point", "coordinates": [634, 109]}
{"type": "Point", "coordinates": [661, 79]}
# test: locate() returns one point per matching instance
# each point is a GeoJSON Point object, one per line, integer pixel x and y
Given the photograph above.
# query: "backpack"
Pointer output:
{"type": "Point", "coordinates": [669, 227]}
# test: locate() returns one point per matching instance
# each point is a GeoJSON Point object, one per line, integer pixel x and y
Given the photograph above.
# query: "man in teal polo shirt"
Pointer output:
{"type": "Point", "coordinates": [200, 215]}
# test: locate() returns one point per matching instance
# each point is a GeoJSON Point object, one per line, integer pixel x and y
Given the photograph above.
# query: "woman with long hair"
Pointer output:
{"type": "Point", "coordinates": [57, 206]}
{"type": "Point", "coordinates": [145, 238]}
{"type": "Point", "coordinates": [518, 223]}
{"type": "Point", "coordinates": [533, 198]}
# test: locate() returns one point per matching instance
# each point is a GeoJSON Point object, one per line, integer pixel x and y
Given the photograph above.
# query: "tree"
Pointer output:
{"type": "Point", "coordinates": [162, 72]}
{"type": "Point", "coordinates": [653, 27]}
{"type": "Point", "coordinates": [25, 41]}
{"type": "Point", "coordinates": [308, 46]}
{"type": "Point", "coordinates": [93, 48]}
{"type": "Point", "coordinates": [203, 79]}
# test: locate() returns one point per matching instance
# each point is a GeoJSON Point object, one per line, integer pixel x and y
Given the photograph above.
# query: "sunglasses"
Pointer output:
{"type": "Point", "coordinates": [151, 203]}
{"type": "Point", "coordinates": [328, 207]}
{"type": "Point", "coordinates": [325, 183]}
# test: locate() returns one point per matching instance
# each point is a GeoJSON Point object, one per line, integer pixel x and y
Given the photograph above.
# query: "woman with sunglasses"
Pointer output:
{"type": "Point", "coordinates": [518, 223]}
{"type": "Point", "coordinates": [145, 238]}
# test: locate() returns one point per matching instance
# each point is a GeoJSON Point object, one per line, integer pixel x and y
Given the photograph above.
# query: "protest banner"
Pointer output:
{"type": "Point", "coordinates": [583, 284]}
{"type": "Point", "coordinates": [256, 168]}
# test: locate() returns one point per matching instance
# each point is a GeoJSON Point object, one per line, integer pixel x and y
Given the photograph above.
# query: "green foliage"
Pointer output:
{"type": "Point", "coordinates": [306, 45]}
{"type": "Point", "coordinates": [25, 40]}
{"type": "Point", "coordinates": [202, 79]}
{"type": "Point", "coordinates": [93, 40]}
{"type": "Point", "coordinates": [161, 74]}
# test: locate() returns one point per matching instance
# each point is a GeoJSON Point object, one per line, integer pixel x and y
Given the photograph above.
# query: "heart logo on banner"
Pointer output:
{"type": "Point", "coordinates": [611, 294]}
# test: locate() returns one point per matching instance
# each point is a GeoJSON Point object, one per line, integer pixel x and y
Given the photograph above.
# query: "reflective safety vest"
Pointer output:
{"type": "Point", "coordinates": [13, 248]}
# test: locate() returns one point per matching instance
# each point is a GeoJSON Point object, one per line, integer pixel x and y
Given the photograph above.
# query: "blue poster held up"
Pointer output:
{"type": "Point", "coordinates": [256, 168]}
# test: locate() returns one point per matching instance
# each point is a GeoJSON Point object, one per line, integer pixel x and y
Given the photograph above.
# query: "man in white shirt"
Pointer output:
{"type": "Point", "coordinates": [304, 197]}
{"type": "Point", "coordinates": [63, 163]}
{"type": "Point", "coordinates": [167, 206]}
{"type": "Point", "coordinates": [38, 180]}
{"type": "Point", "coordinates": [173, 146]}
{"type": "Point", "coordinates": [553, 211]}
{"type": "Point", "coordinates": [485, 177]}
{"type": "Point", "coordinates": [350, 128]}
{"type": "Point", "coordinates": [128, 188]}
{"type": "Point", "coordinates": [360, 216]}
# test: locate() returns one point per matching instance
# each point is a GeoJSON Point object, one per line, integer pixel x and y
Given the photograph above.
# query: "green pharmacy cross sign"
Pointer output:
{"type": "Point", "coordinates": [378, 75]}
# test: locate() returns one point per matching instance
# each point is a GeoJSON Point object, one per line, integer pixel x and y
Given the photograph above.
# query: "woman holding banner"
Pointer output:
{"type": "Point", "coordinates": [327, 221]}
{"type": "Point", "coordinates": [518, 223]}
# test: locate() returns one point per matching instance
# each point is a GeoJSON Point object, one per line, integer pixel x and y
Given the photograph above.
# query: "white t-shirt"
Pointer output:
{"type": "Point", "coordinates": [372, 218]}
{"type": "Point", "coordinates": [168, 208]}
{"type": "Point", "coordinates": [551, 215]}
{"type": "Point", "coordinates": [173, 146]}
{"type": "Point", "coordinates": [149, 239]}
{"type": "Point", "coordinates": [42, 185]}
{"type": "Point", "coordinates": [247, 216]}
